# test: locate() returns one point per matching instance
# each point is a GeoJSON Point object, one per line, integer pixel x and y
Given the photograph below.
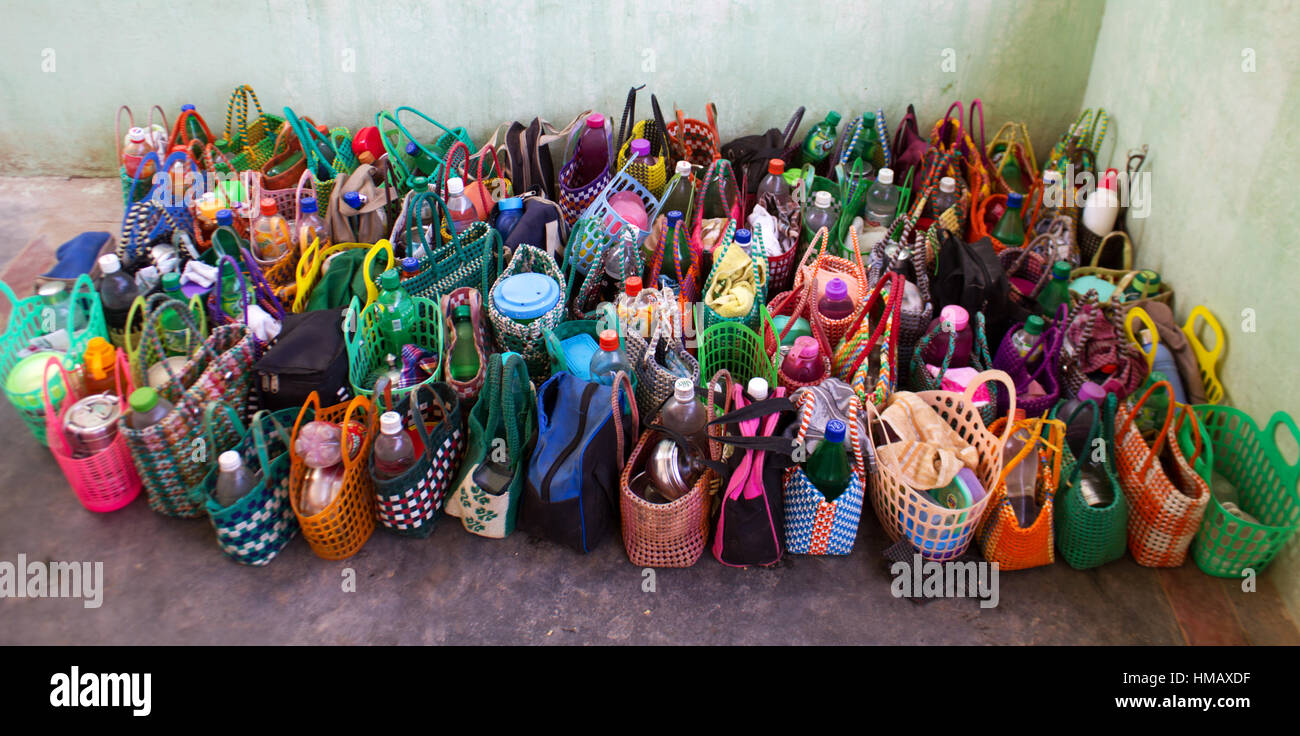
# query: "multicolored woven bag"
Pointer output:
{"type": "Point", "coordinates": [254, 529]}
{"type": "Point", "coordinates": [814, 526]}
{"type": "Point", "coordinates": [249, 145]}
{"type": "Point", "coordinates": [575, 197]}
{"type": "Point", "coordinates": [919, 378]}
{"type": "Point", "coordinates": [410, 503]}
{"type": "Point", "coordinates": [527, 339]}
{"type": "Point", "coordinates": [467, 390]}
{"type": "Point", "coordinates": [694, 140]}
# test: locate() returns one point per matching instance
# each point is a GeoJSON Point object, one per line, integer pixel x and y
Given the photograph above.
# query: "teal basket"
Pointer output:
{"type": "Point", "coordinates": [1249, 459]}
{"type": "Point", "coordinates": [750, 319]}
{"type": "Point", "coordinates": [733, 347]}
{"type": "Point", "coordinates": [396, 137]}
{"type": "Point", "coordinates": [29, 318]}
{"type": "Point", "coordinates": [365, 343]}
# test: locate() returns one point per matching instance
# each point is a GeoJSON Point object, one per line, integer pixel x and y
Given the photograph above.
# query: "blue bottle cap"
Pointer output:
{"type": "Point", "coordinates": [412, 149]}
{"type": "Point", "coordinates": [353, 200]}
{"type": "Point", "coordinates": [1014, 199]}
{"type": "Point", "coordinates": [674, 217]}
{"type": "Point", "coordinates": [511, 203]}
{"type": "Point", "coordinates": [186, 107]}
{"type": "Point", "coordinates": [225, 217]}
{"type": "Point", "coordinates": [526, 295]}
{"type": "Point", "coordinates": [308, 205]}
{"type": "Point", "coordinates": [743, 237]}
{"type": "Point", "coordinates": [410, 264]}
{"type": "Point", "coordinates": [835, 430]}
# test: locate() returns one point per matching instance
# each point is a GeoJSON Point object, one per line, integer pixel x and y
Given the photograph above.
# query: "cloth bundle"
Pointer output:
{"type": "Point", "coordinates": [732, 292]}
{"type": "Point", "coordinates": [928, 450]}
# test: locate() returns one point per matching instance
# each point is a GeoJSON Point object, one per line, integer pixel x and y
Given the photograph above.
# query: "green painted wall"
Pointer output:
{"type": "Point", "coordinates": [1212, 88]}
{"type": "Point", "coordinates": [478, 64]}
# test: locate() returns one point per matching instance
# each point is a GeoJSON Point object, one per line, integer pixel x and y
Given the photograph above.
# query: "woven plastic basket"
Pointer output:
{"type": "Point", "coordinates": [733, 347]}
{"type": "Point", "coordinates": [253, 530]}
{"type": "Point", "coordinates": [1250, 460]}
{"type": "Point", "coordinates": [411, 503]}
{"type": "Point", "coordinates": [1089, 536]}
{"type": "Point", "coordinates": [1001, 536]}
{"type": "Point", "coordinates": [670, 534]}
{"type": "Point", "coordinates": [340, 529]}
{"type": "Point", "coordinates": [937, 532]}
{"type": "Point", "coordinates": [367, 351]}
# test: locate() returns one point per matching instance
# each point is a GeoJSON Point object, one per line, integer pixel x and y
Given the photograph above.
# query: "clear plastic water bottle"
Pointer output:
{"type": "Point", "coordinates": [1026, 338]}
{"type": "Point", "coordinates": [882, 198]}
{"type": "Point", "coordinates": [1022, 478]}
{"type": "Point", "coordinates": [271, 238]}
{"type": "Point", "coordinates": [394, 451]}
{"type": "Point", "coordinates": [609, 360]}
{"type": "Point", "coordinates": [459, 205]}
{"type": "Point", "coordinates": [945, 198]}
{"type": "Point", "coordinates": [820, 213]}
{"type": "Point", "coordinates": [147, 408]}
{"type": "Point", "coordinates": [775, 183]}
{"type": "Point", "coordinates": [636, 306]}
{"type": "Point", "coordinates": [743, 238]}
{"type": "Point", "coordinates": [234, 479]}
{"type": "Point", "coordinates": [309, 226]}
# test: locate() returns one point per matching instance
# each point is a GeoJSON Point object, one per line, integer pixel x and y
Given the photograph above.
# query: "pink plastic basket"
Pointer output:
{"type": "Point", "coordinates": [106, 480]}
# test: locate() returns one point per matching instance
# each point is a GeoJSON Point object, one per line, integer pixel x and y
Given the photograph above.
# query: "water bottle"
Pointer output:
{"type": "Point", "coordinates": [1026, 338]}
{"type": "Point", "coordinates": [395, 312]}
{"type": "Point", "coordinates": [821, 139]}
{"type": "Point", "coordinates": [116, 291]}
{"type": "Point", "coordinates": [882, 198]}
{"type": "Point", "coordinates": [193, 128]}
{"type": "Point", "coordinates": [820, 214]}
{"type": "Point", "coordinates": [134, 149]}
{"type": "Point", "coordinates": [681, 190]}
{"type": "Point", "coordinates": [944, 199]}
{"type": "Point", "coordinates": [233, 297]}
{"type": "Point", "coordinates": [684, 413]}
{"type": "Point", "coordinates": [757, 389]}
{"type": "Point", "coordinates": [1052, 200]}
{"type": "Point", "coordinates": [774, 183]}
{"type": "Point", "coordinates": [803, 364]}
{"type": "Point", "coordinates": [309, 226]}
{"type": "Point", "coordinates": [394, 451]}
{"type": "Point", "coordinates": [835, 302]}
{"type": "Point", "coordinates": [424, 163]}
{"type": "Point", "coordinates": [1057, 290]}
{"type": "Point", "coordinates": [510, 211]}
{"type": "Point", "coordinates": [1022, 478]}
{"type": "Point", "coordinates": [410, 267]}
{"type": "Point", "coordinates": [743, 237]}
{"type": "Point", "coordinates": [147, 408]}
{"type": "Point", "coordinates": [1010, 230]}
{"type": "Point", "coordinates": [1164, 363]}
{"type": "Point", "coordinates": [828, 467]}
{"type": "Point", "coordinates": [320, 445]}
{"type": "Point", "coordinates": [593, 151]}
{"type": "Point", "coordinates": [459, 205]}
{"type": "Point", "coordinates": [100, 367]}
{"type": "Point", "coordinates": [175, 334]}
{"type": "Point", "coordinates": [640, 149]}
{"type": "Point", "coordinates": [271, 238]}
{"type": "Point", "coordinates": [635, 306]}
{"type": "Point", "coordinates": [464, 357]}
{"type": "Point", "coordinates": [234, 479]}
{"type": "Point", "coordinates": [962, 336]}
{"type": "Point", "coordinates": [609, 360]}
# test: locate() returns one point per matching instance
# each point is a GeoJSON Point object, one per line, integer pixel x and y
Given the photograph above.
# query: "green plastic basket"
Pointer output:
{"type": "Point", "coordinates": [1090, 536]}
{"type": "Point", "coordinates": [396, 138]}
{"type": "Point", "coordinates": [1249, 459]}
{"type": "Point", "coordinates": [28, 319]}
{"type": "Point", "coordinates": [365, 344]}
{"type": "Point", "coordinates": [733, 347]}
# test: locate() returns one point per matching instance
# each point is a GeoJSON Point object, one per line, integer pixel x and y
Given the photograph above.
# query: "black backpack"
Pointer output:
{"type": "Point", "coordinates": [749, 156]}
{"type": "Point", "coordinates": [309, 355]}
{"type": "Point", "coordinates": [971, 276]}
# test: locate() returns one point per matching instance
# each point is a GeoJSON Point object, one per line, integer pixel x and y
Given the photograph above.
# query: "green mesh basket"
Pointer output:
{"type": "Point", "coordinates": [365, 343]}
{"type": "Point", "coordinates": [396, 137]}
{"type": "Point", "coordinates": [1090, 536]}
{"type": "Point", "coordinates": [733, 347]}
{"type": "Point", "coordinates": [1249, 459]}
{"type": "Point", "coordinates": [555, 337]}
{"type": "Point", "coordinates": [29, 318]}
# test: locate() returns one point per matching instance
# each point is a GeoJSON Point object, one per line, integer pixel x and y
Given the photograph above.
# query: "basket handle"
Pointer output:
{"type": "Point", "coordinates": [1034, 427]}
{"type": "Point", "coordinates": [383, 246]}
{"type": "Point", "coordinates": [51, 411]}
{"type": "Point", "coordinates": [232, 418]}
{"type": "Point", "coordinates": [413, 409]}
{"type": "Point", "coordinates": [1189, 329]}
{"type": "Point", "coordinates": [1185, 413]}
{"type": "Point", "coordinates": [968, 396]}
{"type": "Point", "coordinates": [1140, 314]}
{"type": "Point", "coordinates": [83, 301]}
{"type": "Point", "coordinates": [513, 363]}
{"type": "Point", "coordinates": [1125, 242]}
{"type": "Point", "coordinates": [362, 404]}
{"type": "Point", "coordinates": [259, 437]}
{"type": "Point", "coordinates": [1164, 427]}
{"type": "Point", "coordinates": [1282, 419]}
{"type": "Point", "coordinates": [312, 403]}
{"type": "Point", "coordinates": [117, 128]}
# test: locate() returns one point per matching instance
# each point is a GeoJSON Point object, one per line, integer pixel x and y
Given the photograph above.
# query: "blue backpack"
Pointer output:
{"type": "Point", "coordinates": [571, 491]}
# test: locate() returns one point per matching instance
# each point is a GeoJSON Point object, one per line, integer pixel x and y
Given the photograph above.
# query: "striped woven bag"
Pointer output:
{"type": "Point", "coordinates": [813, 525]}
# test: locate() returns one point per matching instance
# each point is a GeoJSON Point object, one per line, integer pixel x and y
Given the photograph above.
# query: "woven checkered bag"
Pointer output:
{"type": "Point", "coordinates": [164, 453]}
{"type": "Point", "coordinates": [953, 153]}
{"type": "Point", "coordinates": [253, 530]}
{"type": "Point", "coordinates": [1001, 537]}
{"type": "Point", "coordinates": [342, 528]}
{"type": "Point", "coordinates": [695, 140]}
{"type": "Point", "coordinates": [1089, 536]}
{"type": "Point", "coordinates": [410, 503]}
{"type": "Point", "coordinates": [815, 269]}
{"type": "Point", "coordinates": [467, 390]}
{"type": "Point", "coordinates": [469, 258]}
{"type": "Point", "coordinates": [813, 525]}
{"type": "Point", "coordinates": [528, 339]}
{"type": "Point", "coordinates": [248, 144]}
{"type": "Point", "coordinates": [936, 531]}
{"type": "Point", "coordinates": [1167, 498]}
{"type": "Point", "coordinates": [1095, 337]}
{"type": "Point", "coordinates": [576, 196]}
{"type": "Point", "coordinates": [919, 378]}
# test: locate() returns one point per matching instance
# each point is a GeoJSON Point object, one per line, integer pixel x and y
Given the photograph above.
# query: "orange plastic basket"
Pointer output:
{"type": "Point", "coordinates": [1001, 537]}
{"type": "Point", "coordinates": [343, 527]}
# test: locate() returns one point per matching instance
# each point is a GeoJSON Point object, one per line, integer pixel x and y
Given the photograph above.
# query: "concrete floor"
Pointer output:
{"type": "Point", "coordinates": [166, 582]}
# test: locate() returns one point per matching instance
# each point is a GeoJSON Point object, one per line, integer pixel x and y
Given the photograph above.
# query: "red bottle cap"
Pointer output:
{"type": "Point", "coordinates": [632, 285]}
{"type": "Point", "coordinates": [268, 206]}
{"type": "Point", "coordinates": [608, 340]}
{"type": "Point", "coordinates": [776, 166]}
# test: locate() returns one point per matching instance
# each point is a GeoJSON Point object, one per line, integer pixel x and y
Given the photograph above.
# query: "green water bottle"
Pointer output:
{"type": "Point", "coordinates": [828, 467]}
{"type": "Point", "coordinates": [1010, 230]}
{"type": "Point", "coordinates": [464, 357]}
{"type": "Point", "coordinates": [175, 335]}
{"type": "Point", "coordinates": [1057, 291]}
{"type": "Point", "coordinates": [821, 139]}
{"type": "Point", "coordinates": [395, 312]}
{"type": "Point", "coordinates": [225, 239]}
{"type": "Point", "coordinates": [232, 296]}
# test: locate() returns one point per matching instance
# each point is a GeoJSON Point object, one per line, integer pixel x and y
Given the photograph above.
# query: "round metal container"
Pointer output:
{"type": "Point", "coordinates": [91, 424]}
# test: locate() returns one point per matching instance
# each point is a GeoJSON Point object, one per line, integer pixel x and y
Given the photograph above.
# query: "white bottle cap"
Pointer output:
{"type": "Point", "coordinates": [108, 263]}
{"type": "Point", "coordinates": [684, 168]}
{"type": "Point", "coordinates": [822, 199]}
{"type": "Point", "coordinates": [684, 389]}
{"type": "Point", "coordinates": [1051, 176]}
{"type": "Point", "coordinates": [946, 184]}
{"type": "Point", "coordinates": [390, 422]}
{"type": "Point", "coordinates": [136, 135]}
{"type": "Point", "coordinates": [229, 461]}
{"type": "Point", "coordinates": [455, 186]}
{"type": "Point", "coordinates": [886, 176]}
{"type": "Point", "coordinates": [757, 388]}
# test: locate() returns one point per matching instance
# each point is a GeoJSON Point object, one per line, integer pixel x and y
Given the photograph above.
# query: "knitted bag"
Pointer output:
{"type": "Point", "coordinates": [249, 145]}
{"type": "Point", "coordinates": [873, 376]}
{"type": "Point", "coordinates": [1167, 498]}
{"type": "Point", "coordinates": [221, 370]}
{"type": "Point", "coordinates": [1094, 338]}
{"type": "Point", "coordinates": [410, 503]}
{"type": "Point", "coordinates": [718, 179]}
{"type": "Point", "coordinates": [527, 339]}
{"type": "Point", "coordinates": [654, 381]}
{"type": "Point", "coordinates": [575, 197]}
{"type": "Point", "coordinates": [912, 322]}
{"type": "Point", "coordinates": [1001, 537]}
{"type": "Point", "coordinates": [1044, 371]}
{"type": "Point", "coordinates": [813, 525]}
{"type": "Point", "coordinates": [921, 380]}
{"type": "Point", "coordinates": [694, 140]}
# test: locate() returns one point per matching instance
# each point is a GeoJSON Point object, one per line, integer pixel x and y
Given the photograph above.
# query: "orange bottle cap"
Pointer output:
{"type": "Point", "coordinates": [776, 166]}
{"type": "Point", "coordinates": [99, 357]}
